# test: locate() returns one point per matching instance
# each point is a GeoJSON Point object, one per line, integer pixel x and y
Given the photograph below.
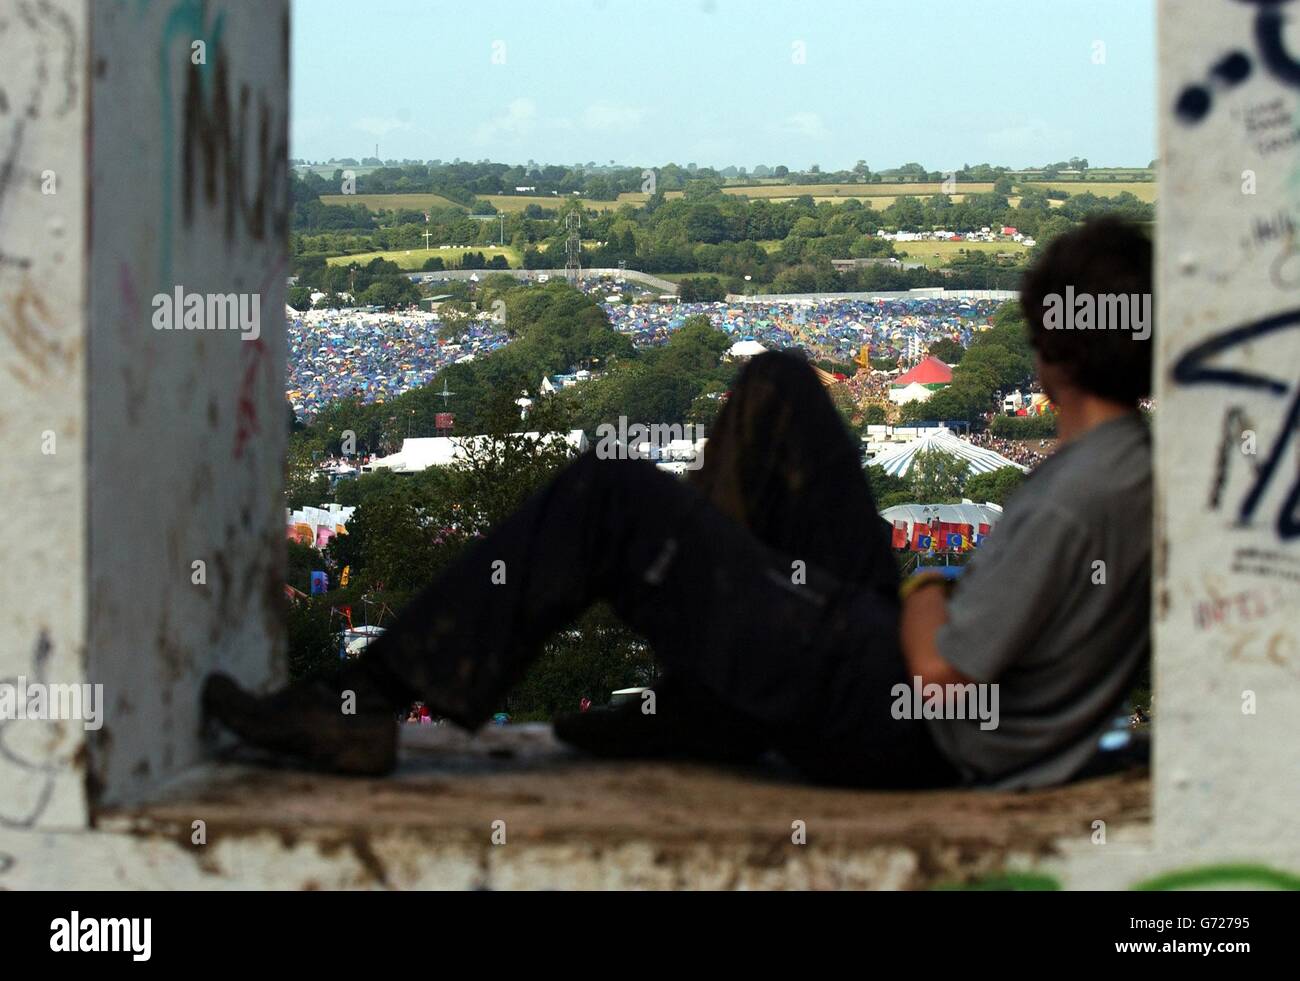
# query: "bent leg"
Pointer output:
{"type": "Point", "coordinates": [719, 608]}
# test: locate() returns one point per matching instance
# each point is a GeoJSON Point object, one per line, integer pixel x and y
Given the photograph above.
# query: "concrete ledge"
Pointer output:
{"type": "Point", "coordinates": [570, 822]}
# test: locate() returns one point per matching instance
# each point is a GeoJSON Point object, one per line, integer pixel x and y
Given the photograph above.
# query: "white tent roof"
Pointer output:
{"type": "Point", "coordinates": [915, 392]}
{"type": "Point", "coordinates": [422, 452]}
{"type": "Point", "coordinates": [745, 349]}
{"type": "Point", "coordinates": [960, 514]}
{"type": "Point", "coordinates": [897, 462]}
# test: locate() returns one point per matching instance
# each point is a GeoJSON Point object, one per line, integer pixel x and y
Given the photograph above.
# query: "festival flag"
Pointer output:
{"type": "Point", "coordinates": [940, 531]}
{"type": "Point", "coordinates": [920, 537]}
{"type": "Point", "coordinates": [900, 535]}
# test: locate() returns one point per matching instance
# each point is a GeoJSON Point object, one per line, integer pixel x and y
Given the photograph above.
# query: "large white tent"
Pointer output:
{"type": "Point", "coordinates": [965, 513]}
{"type": "Point", "coordinates": [745, 349]}
{"type": "Point", "coordinates": [898, 461]}
{"type": "Point", "coordinates": [421, 452]}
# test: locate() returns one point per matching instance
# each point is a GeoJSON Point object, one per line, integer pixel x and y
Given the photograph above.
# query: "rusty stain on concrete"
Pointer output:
{"type": "Point", "coordinates": [32, 332]}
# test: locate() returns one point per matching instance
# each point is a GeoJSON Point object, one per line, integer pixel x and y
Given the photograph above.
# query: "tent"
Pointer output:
{"type": "Point", "coordinates": [941, 527]}
{"type": "Point", "coordinates": [929, 372]}
{"type": "Point", "coordinates": [898, 461]}
{"type": "Point", "coordinates": [915, 392]}
{"type": "Point", "coordinates": [745, 349]}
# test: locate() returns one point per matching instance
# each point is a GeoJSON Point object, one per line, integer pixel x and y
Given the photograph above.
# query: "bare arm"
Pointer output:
{"type": "Point", "coordinates": [924, 612]}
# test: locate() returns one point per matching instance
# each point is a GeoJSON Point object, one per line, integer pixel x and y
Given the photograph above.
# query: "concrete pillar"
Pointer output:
{"type": "Point", "coordinates": [143, 150]}
{"type": "Point", "coordinates": [43, 396]}
{"type": "Point", "coordinates": [1227, 585]}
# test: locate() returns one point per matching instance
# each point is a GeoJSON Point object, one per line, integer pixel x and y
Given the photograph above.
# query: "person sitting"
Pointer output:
{"type": "Point", "coordinates": [768, 591]}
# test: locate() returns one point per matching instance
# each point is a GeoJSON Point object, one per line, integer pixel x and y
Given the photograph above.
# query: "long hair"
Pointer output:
{"type": "Point", "coordinates": [780, 462]}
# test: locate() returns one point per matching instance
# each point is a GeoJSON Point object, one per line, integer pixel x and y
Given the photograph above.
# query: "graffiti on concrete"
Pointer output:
{"type": "Point", "coordinates": [215, 151]}
{"type": "Point", "coordinates": [1197, 366]}
{"type": "Point", "coordinates": [1196, 101]}
{"type": "Point", "coordinates": [42, 772]}
{"type": "Point", "coordinates": [29, 97]}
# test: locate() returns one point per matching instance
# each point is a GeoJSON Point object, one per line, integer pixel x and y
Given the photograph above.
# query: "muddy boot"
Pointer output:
{"type": "Point", "coordinates": [308, 722]}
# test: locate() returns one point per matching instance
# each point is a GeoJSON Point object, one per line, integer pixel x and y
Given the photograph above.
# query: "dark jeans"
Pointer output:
{"type": "Point", "coordinates": [765, 585]}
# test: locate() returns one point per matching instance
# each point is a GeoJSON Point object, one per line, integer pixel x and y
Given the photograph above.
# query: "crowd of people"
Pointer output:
{"type": "Point", "coordinates": [336, 354]}
{"type": "Point", "coordinates": [834, 328]}
{"type": "Point", "coordinates": [1027, 452]}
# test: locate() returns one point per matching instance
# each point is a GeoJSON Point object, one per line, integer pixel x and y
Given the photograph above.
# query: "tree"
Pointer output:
{"type": "Point", "coordinates": [700, 289]}
{"type": "Point", "coordinates": [303, 486]}
{"type": "Point", "coordinates": [947, 350]}
{"type": "Point", "coordinates": [995, 486]}
{"type": "Point", "coordinates": [390, 292]}
{"type": "Point", "coordinates": [1024, 427]}
{"type": "Point", "coordinates": [994, 366]}
{"type": "Point", "coordinates": [937, 477]}
{"type": "Point", "coordinates": [886, 486]}
{"type": "Point", "coordinates": [313, 647]}
{"type": "Point", "coordinates": [299, 297]}
{"type": "Point", "coordinates": [598, 655]}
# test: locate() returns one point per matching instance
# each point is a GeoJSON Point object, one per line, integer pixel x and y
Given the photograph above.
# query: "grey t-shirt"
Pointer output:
{"type": "Point", "coordinates": [1055, 608]}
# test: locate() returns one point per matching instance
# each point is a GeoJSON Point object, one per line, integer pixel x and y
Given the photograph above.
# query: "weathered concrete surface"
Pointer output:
{"type": "Point", "coordinates": [43, 430]}
{"type": "Point", "coordinates": [131, 165]}
{"type": "Point", "coordinates": [1227, 576]}
{"type": "Point", "coordinates": [189, 191]}
{"type": "Point", "coordinates": [570, 822]}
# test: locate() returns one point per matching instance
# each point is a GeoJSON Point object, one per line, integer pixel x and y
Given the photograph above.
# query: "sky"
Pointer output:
{"type": "Point", "coordinates": [721, 82]}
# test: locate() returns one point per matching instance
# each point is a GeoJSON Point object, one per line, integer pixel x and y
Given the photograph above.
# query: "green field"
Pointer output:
{"type": "Point", "coordinates": [392, 202]}
{"type": "Point", "coordinates": [935, 254]}
{"type": "Point", "coordinates": [845, 192]}
{"type": "Point", "coordinates": [413, 259]}
{"type": "Point", "coordinates": [859, 191]}
{"type": "Point", "coordinates": [1142, 190]}
{"type": "Point", "coordinates": [511, 203]}
{"type": "Point", "coordinates": [878, 202]}
{"type": "Point", "coordinates": [878, 196]}
{"type": "Point", "coordinates": [327, 170]}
